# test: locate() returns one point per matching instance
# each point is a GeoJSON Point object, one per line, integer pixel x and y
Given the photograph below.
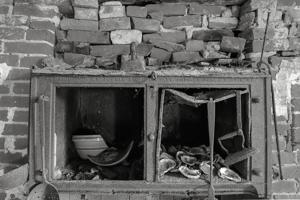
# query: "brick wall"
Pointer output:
{"type": "Point", "coordinates": [28, 32]}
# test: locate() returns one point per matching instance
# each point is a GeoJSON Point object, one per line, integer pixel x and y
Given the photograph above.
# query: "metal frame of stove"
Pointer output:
{"type": "Point", "coordinates": [258, 84]}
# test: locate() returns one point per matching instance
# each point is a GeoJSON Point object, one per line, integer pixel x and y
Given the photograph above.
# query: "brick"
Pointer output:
{"type": "Point", "coordinates": [144, 49]}
{"type": "Point", "coordinates": [186, 57]}
{"type": "Point", "coordinates": [200, 9]}
{"type": "Point", "coordinates": [287, 3]}
{"type": "Point", "coordinates": [82, 48]}
{"type": "Point", "coordinates": [21, 116]}
{"type": "Point", "coordinates": [86, 3]}
{"type": "Point", "coordinates": [111, 24]}
{"type": "Point", "coordinates": [3, 116]}
{"type": "Point", "coordinates": [111, 3]}
{"type": "Point", "coordinates": [30, 61]}
{"type": "Point", "coordinates": [257, 34]}
{"type": "Point", "coordinates": [19, 74]}
{"type": "Point", "coordinates": [15, 129]}
{"type": "Point", "coordinates": [246, 21]}
{"type": "Point", "coordinates": [126, 36]}
{"type": "Point", "coordinates": [222, 22]}
{"type": "Point", "coordinates": [168, 46]}
{"type": "Point", "coordinates": [4, 10]}
{"type": "Point", "coordinates": [110, 11]}
{"type": "Point", "coordinates": [85, 13]}
{"type": "Point", "coordinates": [176, 37]}
{"type": "Point", "coordinates": [78, 59]}
{"type": "Point", "coordinates": [211, 35]}
{"type": "Point", "coordinates": [286, 157]}
{"type": "Point", "coordinates": [4, 89]}
{"type": "Point", "coordinates": [75, 24]}
{"type": "Point", "coordinates": [128, 65]}
{"type": "Point", "coordinates": [12, 33]}
{"type": "Point", "coordinates": [94, 37]}
{"type": "Point", "coordinates": [158, 15]}
{"type": "Point", "coordinates": [10, 60]}
{"type": "Point", "coordinates": [136, 11]}
{"type": "Point", "coordinates": [168, 9]}
{"type": "Point", "coordinates": [13, 158]}
{"type": "Point", "coordinates": [14, 20]}
{"type": "Point", "coordinates": [110, 50]}
{"type": "Point", "coordinates": [232, 44]}
{"type": "Point", "coordinates": [294, 43]}
{"type": "Point", "coordinates": [177, 21]}
{"type": "Point", "coordinates": [286, 186]}
{"type": "Point", "coordinates": [29, 48]}
{"type": "Point", "coordinates": [295, 90]}
{"type": "Point", "coordinates": [146, 25]}
{"type": "Point", "coordinates": [2, 141]}
{"type": "Point", "coordinates": [194, 45]}
{"type": "Point", "coordinates": [21, 88]}
{"type": "Point", "coordinates": [43, 35]}
{"type": "Point", "coordinates": [21, 143]}
{"type": "Point", "coordinates": [14, 101]}
{"type": "Point", "coordinates": [64, 46]}
{"type": "Point", "coordinates": [160, 54]}
{"type": "Point", "coordinates": [270, 45]}
{"type": "Point", "coordinates": [44, 25]}
{"type": "Point", "coordinates": [286, 196]}
{"type": "Point", "coordinates": [34, 10]}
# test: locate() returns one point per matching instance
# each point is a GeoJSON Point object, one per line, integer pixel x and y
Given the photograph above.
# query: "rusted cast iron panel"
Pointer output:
{"type": "Point", "coordinates": [152, 83]}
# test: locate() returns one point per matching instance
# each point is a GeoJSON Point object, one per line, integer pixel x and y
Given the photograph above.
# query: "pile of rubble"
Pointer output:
{"type": "Point", "coordinates": [165, 33]}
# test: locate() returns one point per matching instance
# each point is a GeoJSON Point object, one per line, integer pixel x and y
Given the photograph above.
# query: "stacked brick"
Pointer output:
{"type": "Point", "coordinates": [165, 33]}
{"type": "Point", "coordinates": [282, 53]}
{"type": "Point", "coordinates": [27, 33]}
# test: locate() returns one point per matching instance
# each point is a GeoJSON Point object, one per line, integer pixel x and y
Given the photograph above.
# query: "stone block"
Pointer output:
{"type": "Point", "coordinates": [28, 48]}
{"type": "Point", "coordinates": [110, 50]}
{"type": "Point", "coordinates": [252, 5]}
{"type": "Point", "coordinates": [270, 45]}
{"type": "Point", "coordinates": [146, 25]}
{"type": "Point", "coordinates": [35, 10]}
{"type": "Point", "coordinates": [186, 57]}
{"type": "Point", "coordinates": [4, 10]}
{"type": "Point", "coordinates": [286, 186]}
{"type": "Point", "coordinates": [246, 21]}
{"type": "Point", "coordinates": [45, 25]}
{"type": "Point", "coordinates": [136, 11]}
{"type": "Point", "coordinates": [295, 90]}
{"type": "Point", "coordinates": [60, 35]}
{"type": "Point", "coordinates": [111, 3]}
{"type": "Point", "coordinates": [168, 9]}
{"type": "Point", "coordinates": [64, 46]}
{"type": "Point", "coordinates": [110, 11]}
{"type": "Point", "coordinates": [201, 9]}
{"type": "Point", "coordinates": [160, 54]}
{"type": "Point", "coordinates": [111, 24]}
{"type": "Point", "coordinates": [168, 46]}
{"type": "Point", "coordinates": [143, 49]}
{"type": "Point", "coordinates": [235, 10]}
{"type": "Point", "coordinates": [177, 21]}
{"type": "Point", "coordinates": [286, 157]}
{"type": "Point", "coordinates": [222, 22]}
{"type": "Point", "coordinates": [126, 36]}
{"type": "Point", "coordinates": [226, 13]}
{"type": "Point", "coordinates": [213, 46]}
{"type": "Point", "coordinates": [85, 13]}
{"type": "Point", "coordinates": [257, 34]}
{"type": "Point", "coordinates": [79, 59]}
{"type": "Point", "coordinates": [294, 43]}
{"type": "Point", "coordinates": [232, 44]}
{"type": "Point", "coordinates": [294, 14]}
{"type": "Point", "coordinates": [153, 61]}
{"type": "Point", "coordinates": [107, 63]}
{"type": "Point", "coordinates": [209, 55]}
{"type": "Point", "coordinates": [12, 33]}
{"type": "Point", "coordinates": [127, 64]}
{"type": "Point", "coordinates": [81, 48]}
{"type": "Point", "coordinates": [75, 24]}
{"type": "Point", "coordinates": [294, 30]}
{"type": "Point", "coordinates": [194, 45]}
{"type": "Point", "coordinates": [176, 37]}
{"type": "Point", "coordinates": [86, 3]}
{"type": "Point", "coordinates": [94, 37]}
{"type": "Point", "coordinates": [158, 15]}
{"type": "Point", "coordinates": [211, 35]}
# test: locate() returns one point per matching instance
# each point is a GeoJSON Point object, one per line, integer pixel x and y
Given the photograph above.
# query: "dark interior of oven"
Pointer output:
{"type": "Point", "coordinates": [114, 113]}
{"type": "Point", "coordinates": [185, 126]}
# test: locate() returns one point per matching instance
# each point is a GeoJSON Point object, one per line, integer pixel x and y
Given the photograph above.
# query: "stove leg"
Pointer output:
{"type": "Point", "coordinates": [211, 110]}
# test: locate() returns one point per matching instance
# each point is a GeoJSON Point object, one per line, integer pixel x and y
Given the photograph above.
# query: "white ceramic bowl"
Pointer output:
{"type": "Point", "coordinates": [83, 153]}
{"type": "Point", "coordinates": [89, 142]}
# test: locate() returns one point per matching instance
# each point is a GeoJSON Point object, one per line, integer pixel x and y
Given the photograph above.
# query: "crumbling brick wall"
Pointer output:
{"type": "Point", "coordinates": [31, 30]}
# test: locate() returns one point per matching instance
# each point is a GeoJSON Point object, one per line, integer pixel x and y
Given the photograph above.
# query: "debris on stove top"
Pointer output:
{"type": "Point", "coordinates": [193, 163]}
